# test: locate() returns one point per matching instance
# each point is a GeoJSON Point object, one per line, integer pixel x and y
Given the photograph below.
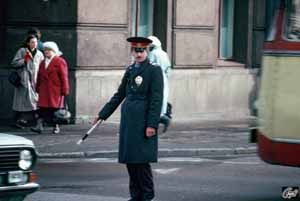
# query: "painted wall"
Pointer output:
{"type": "Point", "coordinates": [195, 94]}
{"type": "Point", "coordinates": [92, 34]}
{"type": "Point", "coordinates": [195, 33]}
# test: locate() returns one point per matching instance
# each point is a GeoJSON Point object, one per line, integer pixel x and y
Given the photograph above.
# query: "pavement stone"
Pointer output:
{"type": "Point", "coordinates": [183, 139]}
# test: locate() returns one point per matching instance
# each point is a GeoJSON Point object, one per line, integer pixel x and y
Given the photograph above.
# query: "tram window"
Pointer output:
{"type": "Point", "coordinates": [272, 8]}
{"type": "Point", "coordinates": [292, 20]}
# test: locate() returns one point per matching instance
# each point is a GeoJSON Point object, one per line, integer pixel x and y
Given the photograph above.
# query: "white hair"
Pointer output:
{"type": "Point", "coordinates": [52, 46]}
{"type": "Point", "coordinates": [155, 41]}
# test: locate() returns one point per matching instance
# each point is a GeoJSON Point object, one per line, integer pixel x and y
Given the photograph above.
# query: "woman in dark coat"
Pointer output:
{"type": "Point", "coordinates": [52, 85]}
{"type": "Point", "coordinates": [142, 91]}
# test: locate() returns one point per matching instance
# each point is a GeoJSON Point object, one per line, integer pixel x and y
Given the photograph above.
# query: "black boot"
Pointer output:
{"type": "Point", "coordinates": [19, 124]}
{"type": "Point", "coordinates": [39, 127]}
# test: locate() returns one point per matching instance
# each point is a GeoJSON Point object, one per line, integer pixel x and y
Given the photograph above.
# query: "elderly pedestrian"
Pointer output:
{"type": "Point", "coordinates": [158, 56]}
{"type": "Point", "coordinates": [141, 89]}
{"type": "Point", "coordinates": [52, 86]}
{"type": "Point", "coordinates": [26, 62]}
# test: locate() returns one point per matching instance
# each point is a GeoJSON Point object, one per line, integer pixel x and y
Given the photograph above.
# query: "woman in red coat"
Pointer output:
{"type": "Point", "coordinates": [52, 86]}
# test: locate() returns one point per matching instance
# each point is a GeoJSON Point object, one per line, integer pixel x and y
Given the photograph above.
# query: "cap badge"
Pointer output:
{"type": "Point", "coordinates": [138, 80]}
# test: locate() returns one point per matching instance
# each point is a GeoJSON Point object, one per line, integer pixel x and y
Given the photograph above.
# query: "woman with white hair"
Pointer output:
{"type": "Point", "coordinates": [52, 86]}
{"type": "Point", "coordinates": [161, 58]}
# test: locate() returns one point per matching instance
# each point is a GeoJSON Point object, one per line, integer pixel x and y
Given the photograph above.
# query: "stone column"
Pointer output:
{"type": "Point", "coordinates": [195, 33]}
{"type": "Point", "coordinates": [102, 52]}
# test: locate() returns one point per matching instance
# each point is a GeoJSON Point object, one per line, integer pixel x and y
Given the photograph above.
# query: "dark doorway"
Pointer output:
{"type": "Point", "coordinates": [160, 15]}
{"type": "Point", "coordinates": [240, 39]}
{"type": "Point", "coordinates": [2, 28]}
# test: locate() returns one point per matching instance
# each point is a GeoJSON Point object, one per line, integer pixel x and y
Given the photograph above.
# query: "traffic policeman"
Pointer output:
{"type": "Point", "coordinates": [141, 91]}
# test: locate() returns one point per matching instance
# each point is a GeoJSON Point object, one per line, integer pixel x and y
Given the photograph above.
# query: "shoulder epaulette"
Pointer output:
{"type": "Point", "coordinates": [129, 67]}
{"type": "Point", "coordinates": [154, 64]}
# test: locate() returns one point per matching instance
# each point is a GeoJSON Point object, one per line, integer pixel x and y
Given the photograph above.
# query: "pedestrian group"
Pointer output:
{"type": "Point", "coordinates": [43, 85]}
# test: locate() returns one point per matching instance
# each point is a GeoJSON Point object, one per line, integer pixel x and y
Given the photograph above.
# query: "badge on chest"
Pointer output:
{"type": "Point", "coordinates": [138, 80]}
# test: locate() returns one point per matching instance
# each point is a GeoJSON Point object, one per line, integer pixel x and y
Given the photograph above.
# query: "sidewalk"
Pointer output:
{"type": "Point", "coordinates": [183, 139]}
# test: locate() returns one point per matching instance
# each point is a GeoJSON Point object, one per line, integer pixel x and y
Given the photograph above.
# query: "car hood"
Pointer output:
{"type": "Point", "coordinates": [11, 140]}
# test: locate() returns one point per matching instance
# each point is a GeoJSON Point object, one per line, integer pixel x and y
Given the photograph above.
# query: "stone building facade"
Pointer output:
{"type": "Point", "coordinates": [214, 46]}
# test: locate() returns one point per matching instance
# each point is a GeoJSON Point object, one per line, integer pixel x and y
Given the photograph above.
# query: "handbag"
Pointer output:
{"type": "Point", "coordinates": [62, 115]}
{"type": "Point", "coordinates": [169, 110]}
{"type": "Point", "coordinates": [15, 79]}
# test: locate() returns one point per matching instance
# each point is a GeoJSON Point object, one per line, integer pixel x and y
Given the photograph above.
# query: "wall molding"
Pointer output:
{"type": "Point", "coordinates": [193, 27]}
{"type": "Point", "coordinates": [92, 68]}
{"type": "Point", "coordinates": [186, 67]}
{"type": "Point", "coordinates": [18, 24]}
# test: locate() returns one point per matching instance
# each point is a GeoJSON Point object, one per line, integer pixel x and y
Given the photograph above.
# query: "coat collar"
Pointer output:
{"type": "Point", "coordinates": [140, 69]}
{"type": "Point", "coordinates": [50, 64]}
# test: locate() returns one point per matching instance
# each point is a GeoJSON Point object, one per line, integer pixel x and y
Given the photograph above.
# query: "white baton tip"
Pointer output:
{"type": "Point", "coordinates": [79, 142]}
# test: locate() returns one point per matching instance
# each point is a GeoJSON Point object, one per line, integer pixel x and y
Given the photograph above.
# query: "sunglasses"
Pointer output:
{"type": "Point", "coordinates": [139, 49]}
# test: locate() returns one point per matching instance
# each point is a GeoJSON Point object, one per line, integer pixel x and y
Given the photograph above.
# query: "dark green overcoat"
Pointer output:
{"type": "Point", "coordinates": [142, 89]}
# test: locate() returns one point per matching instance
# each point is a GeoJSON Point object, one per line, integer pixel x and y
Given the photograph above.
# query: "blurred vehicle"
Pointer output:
{"type": "Point", "coordinates": [18, 157]}
{"type": "Point", "coordinates": [278, 134]}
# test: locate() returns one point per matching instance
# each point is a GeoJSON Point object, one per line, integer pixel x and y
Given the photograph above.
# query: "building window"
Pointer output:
{"type": "Point", "coordinates": [142, 15]}
{"type": "Point", "coordinates": [226, 32]}
{"type": "Point", "coordinates": [151, 18]}
{"type": "Point", "coordinates": [234, 30]}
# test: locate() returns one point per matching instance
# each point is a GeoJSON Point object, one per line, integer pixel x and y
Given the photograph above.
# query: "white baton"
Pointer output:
{"type": "Point", "coordinates": [89, 131]}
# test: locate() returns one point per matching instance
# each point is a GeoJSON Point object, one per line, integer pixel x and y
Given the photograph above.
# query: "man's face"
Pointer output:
{"type": "Point", "coordinates": [139, 54]}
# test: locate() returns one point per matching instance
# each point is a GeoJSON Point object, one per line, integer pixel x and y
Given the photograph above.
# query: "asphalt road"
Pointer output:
{"type": "Point", "coordinates": [177, 179]}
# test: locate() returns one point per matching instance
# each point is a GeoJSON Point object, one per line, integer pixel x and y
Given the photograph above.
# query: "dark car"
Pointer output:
{"type": "Point", "coordinates": [18, 157]}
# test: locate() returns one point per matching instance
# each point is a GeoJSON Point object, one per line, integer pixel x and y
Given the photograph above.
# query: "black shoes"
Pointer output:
{"type": "Point", "coordinates": [36, 130]}
{"type": "Point", "coordinates": [19, 126]}
{"type": "Point", "coordinates": [39, 127]}
{"type": "Point", "coordinates": [21, 123]}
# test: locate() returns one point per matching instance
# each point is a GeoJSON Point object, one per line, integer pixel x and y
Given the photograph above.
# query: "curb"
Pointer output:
{"type": "Point", "coordinates": [196, 152]}
{"type": "Point", "coordinates": [67, 196]}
